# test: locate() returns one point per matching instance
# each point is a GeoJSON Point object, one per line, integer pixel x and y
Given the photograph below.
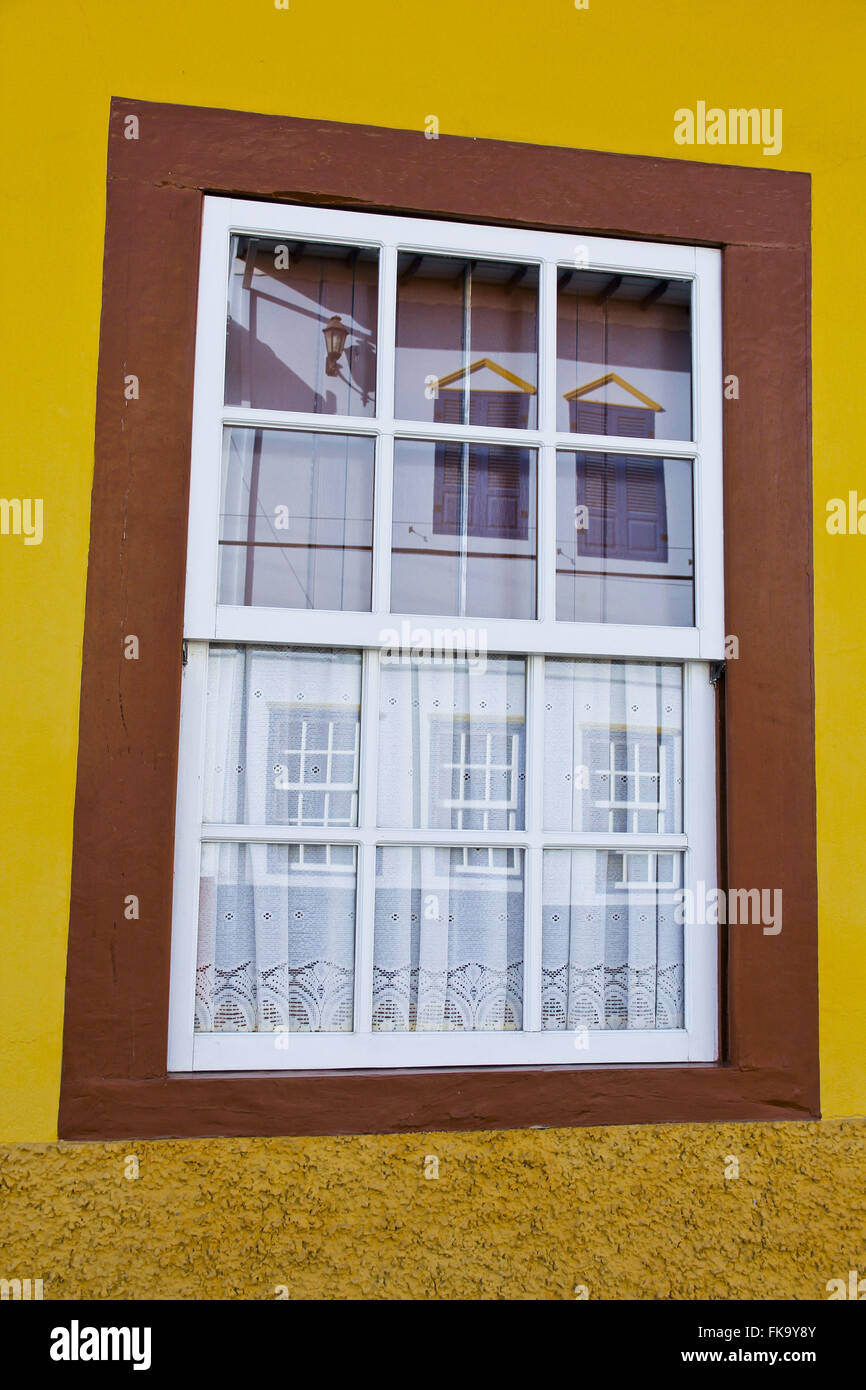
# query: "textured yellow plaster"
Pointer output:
{"type": "Point", "coordinates": [541, 73]}
{"type": "Point", "coordinates": [641, 1212]}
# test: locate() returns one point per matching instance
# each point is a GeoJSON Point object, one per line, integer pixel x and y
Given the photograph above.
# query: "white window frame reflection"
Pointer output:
{"type": "Point", "coordinates": [486, 804]}
{"type": "Point", "coordinates": [328, 787]}
{"type": "Point", "coordinates": [636, 805]}
{"type": "Point", "coordinates": [652, 880]}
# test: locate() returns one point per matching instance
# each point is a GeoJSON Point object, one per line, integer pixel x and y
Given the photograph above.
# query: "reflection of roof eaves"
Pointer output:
{"type": "Point", "coordinates": [648, 402]}
{"type": "Point", "coordinates": [493, 367]}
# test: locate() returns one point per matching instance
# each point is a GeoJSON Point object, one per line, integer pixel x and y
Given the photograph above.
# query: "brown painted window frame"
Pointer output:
{"type": "Point", "coordinates": [114, 1078]}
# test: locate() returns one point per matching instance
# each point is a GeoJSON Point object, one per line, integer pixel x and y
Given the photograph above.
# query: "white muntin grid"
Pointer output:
{"type": "Point", "coordinates": [207, 621]}
{"type": "Point", "coordinates": [322, 793]}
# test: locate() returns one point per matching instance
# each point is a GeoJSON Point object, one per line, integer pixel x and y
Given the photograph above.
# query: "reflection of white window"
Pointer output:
{"type": "Point", "coordinates": [320, 772]}
{"type": "Point", "coordinates": [633, 788]}
{"type": "Point", "coordinates": [483, 778]}
{"type": "Point", "coordinates": [324, 862]}
{"type": "Point", "coordinates": [492, 862]}
{"type": "Point", "coordinates": [272, 865]}
{"type": "Point", "coordinates": [459, 861]}
{"type": "Point", "coordinates": [642, 872]}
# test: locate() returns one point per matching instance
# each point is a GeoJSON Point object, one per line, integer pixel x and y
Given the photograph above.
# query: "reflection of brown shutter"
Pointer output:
{"type": "Point", "coordinates": [594, 417]}
{"type": "Point", "coordinates": [501, 497]}
{"type": "Point", "coordinates": [498, 492]}
{"type": "Point", "coordinates": [627, 507]}
{"type": "Point", "coordinates": [503, 410]}
{"type": "Point", "coordinates": [595, 482]}
{"type": "Point", "coordinates": [632, 421]}
{"type": "Point", "coordinates": [587, 418]}
{"type": "Point", "coordinates": [645, 510]}
{"type": "Point", "coordinates": [500, 410]}
{"type": "Point", "coordinates": [447, 490]}
{"type": "Point", "coordinates": [598, 493]}
{"type": "Point", "coordinates": [497, 502]}
{"type": "Point", "coordinates": [448, 409]}
{"type": "Point", "coordinates": [640, 485]}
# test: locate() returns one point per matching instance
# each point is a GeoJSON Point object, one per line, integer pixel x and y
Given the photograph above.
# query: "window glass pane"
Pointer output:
{"type": "Point", "coordinates": [289, 302]}
{"type": "Point", "coordinates": [448, 944]}
{"type": "Point", "coordinates": [451, 742]}
{"type": "Point", "coordinates": [296, 526]}
{"type": "Point", "coordinates": [276, 941]}
{"type": "Point", "coordinates": [282, 735]}
{"type": "Point", "coordinates": [624, 539]}
{"type": "Point", "coordinates": [463, 538]}
{"type": "Point", "coordinates": [466, 341]}
{"type": "Point", "coordinates": [624, 355]}
{"type": "Point", "coordinates": [612, 949]}
{"type": "Point", "coordinates": [613, 747]}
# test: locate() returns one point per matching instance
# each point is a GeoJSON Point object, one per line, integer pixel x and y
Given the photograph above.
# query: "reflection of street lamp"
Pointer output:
{"type": "Point", "coordinates": [336, 333]}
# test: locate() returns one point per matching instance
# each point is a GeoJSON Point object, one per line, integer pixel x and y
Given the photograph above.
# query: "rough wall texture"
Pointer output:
{"type": "Point", "coordinates": [640, 1212]}
{"type": "Point", "coordinates": [643, 1212]}
{"type": "Point", "coordinates": [803, 59]}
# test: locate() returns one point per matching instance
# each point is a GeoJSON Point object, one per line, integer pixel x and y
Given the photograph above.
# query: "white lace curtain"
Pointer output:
{"type": "Point", "coordinates": [277, 922]}
{"type": "Point", "coordinates": [612, 953]}
{"type": "Point", "coordinates": [612, 957]}
{"type": "Point", "coordinates": [448, 950]}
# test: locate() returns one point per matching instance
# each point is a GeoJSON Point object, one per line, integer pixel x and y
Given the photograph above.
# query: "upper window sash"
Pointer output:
{"type": "Point", "coordinates": [551, 252]}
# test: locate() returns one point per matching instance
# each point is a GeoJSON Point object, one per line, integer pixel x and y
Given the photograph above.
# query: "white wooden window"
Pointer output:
{"type": "Point", "coordinates": [447, 732]}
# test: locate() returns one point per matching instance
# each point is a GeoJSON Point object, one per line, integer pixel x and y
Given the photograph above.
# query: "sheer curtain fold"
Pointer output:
{"type": "Point", "coordinates": [612, 955]}
{"type": "Point", "coordinates": [448, 952]}
{"type": "Point", "coordinates": [612, 952]}
{"type": "Point", "coordinates": [448, 948]}
{"type": "Point", "coordinates": [276, 921]}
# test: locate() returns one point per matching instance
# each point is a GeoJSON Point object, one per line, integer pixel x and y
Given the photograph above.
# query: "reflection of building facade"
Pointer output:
{"type": "Point", "coordinates": [483, 489]}
{"type": "Point", "coordinates": [277, 283]}
{"type": "Point", "coordinates": [625, 497]}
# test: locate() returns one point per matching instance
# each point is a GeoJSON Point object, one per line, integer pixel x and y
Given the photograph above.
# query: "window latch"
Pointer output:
{"type": "Point", "coordinates": [717, 671]}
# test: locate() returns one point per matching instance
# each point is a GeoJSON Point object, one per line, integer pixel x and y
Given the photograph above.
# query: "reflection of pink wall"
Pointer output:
{"type": "Point", "coordinates": [430, 335]}
{"type": "Point", "coordinates": [425, 573]}
{"type": "Point", "coordinates": [319, 552]}
{"type": "Point", "coordinates": [590, 588]}
{"type": "Point", "coordinates": [276, 354]}
{"type": "Point", "coordinates": [658, 336]}
{"type": "Point", "coordinates": [649, 347]}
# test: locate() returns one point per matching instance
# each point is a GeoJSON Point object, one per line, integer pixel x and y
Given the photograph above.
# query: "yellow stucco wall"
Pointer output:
{"type": "Point", "coordinates": [644, 1213]}
{"type": "Point", "coordinates": [608, 77]}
